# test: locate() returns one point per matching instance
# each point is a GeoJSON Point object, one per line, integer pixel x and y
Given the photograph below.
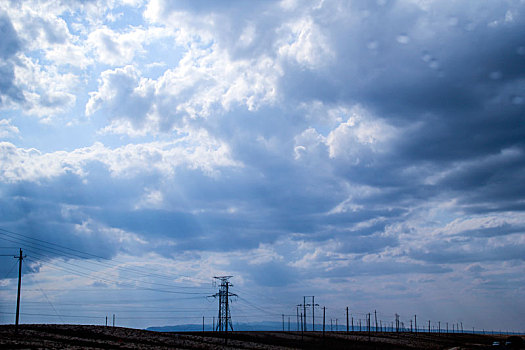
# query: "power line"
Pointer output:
{"type": "Point", "coordinates": [45, 295]}
{"type": "Point", "coordinates": [50, 315]}
{"type": "Point", "coordinates": [80, 273]}
{"type": "Point", "coordinates": [11, 269]}
{"type": "Point", "coordinates": [47, 259]}
{"type": "Point", "coordinates": [257, 307]}
{"type": "Point", "coordinates": [114, 263]}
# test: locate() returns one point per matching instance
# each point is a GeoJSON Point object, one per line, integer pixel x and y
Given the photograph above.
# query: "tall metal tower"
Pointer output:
{"type": "Point", "coordinates": [224, 319]}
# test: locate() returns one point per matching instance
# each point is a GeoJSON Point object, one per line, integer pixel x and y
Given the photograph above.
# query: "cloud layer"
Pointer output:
{"type": "Point", "coordinates": [335, 142]}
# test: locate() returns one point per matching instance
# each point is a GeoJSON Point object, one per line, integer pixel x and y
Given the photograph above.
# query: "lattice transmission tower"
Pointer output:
{"type": "Point", "coordinates": [224, 295]}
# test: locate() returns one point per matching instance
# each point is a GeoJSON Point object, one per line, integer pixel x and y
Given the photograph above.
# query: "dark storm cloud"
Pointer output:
{"type": "Point", "coordinates": [367, 244]}
{"type": "Point", "coordinates": [272, 274]}
{"type": "Point", "coordinates": [61, 211]}
{"type": "Point", "coordinates": [369, 268]}
{"type": "Point", "coordinates": [459, 252]}
{"type": "Point", "coordinates": [453, 95]}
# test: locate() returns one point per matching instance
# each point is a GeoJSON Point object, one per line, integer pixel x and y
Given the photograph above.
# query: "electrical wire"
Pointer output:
{"type": "Point", "coordinates": [48, 260]}
{"type": "Point", "coordinates": [10, 270]}
{"type": "Point", "coordinates": [84, 255]}
{"type": "Point", "coordinates": [80, 273]}
{"type": "Point", "coordinates": [45, 295]}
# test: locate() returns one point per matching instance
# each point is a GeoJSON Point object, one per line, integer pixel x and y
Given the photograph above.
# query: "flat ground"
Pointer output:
{"type": "Point", "coordinates": [45, 336]}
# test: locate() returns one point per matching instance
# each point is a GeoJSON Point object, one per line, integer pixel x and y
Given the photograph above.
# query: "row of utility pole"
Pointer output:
{"type": "Point", "coordinates": [395, 326]}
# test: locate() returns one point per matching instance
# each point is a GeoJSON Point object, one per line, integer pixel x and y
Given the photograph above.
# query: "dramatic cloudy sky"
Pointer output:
{"type": "Point", "coordinates": [370, 153]}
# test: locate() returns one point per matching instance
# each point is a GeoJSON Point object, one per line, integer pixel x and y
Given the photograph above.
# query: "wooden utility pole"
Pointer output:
{"type": "Point", "coordinates": [283, 322]}
{"type": "Point", "coordinates": [297, 309]}
{"type": "Point", "coordinates": [20, 258]}
{"type": "Point", "coordinates": [375, 318]}
{"type": "Point", "coordinates": [313, 312]}
{"type": "Point", "coordinates": [304, 311]}
{"type": "Point", "coordinates": [369, 326]}
{"type": "Point", "coordinates": [347, 325]}
{"type": "Point", "coordinates": [415, 323]}
{"type": "Point", "coordinates": [324, 318]}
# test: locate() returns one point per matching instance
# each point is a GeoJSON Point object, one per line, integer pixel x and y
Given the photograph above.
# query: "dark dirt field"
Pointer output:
{"type": "Point", "coordinates": [44, 336]}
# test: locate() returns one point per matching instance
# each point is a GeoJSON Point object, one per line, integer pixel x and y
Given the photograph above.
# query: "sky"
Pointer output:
{"type": "Point", "coordinates": [370, 153]}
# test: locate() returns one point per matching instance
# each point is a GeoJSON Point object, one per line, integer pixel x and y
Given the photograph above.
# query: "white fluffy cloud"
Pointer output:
{"type": "Point", "coordinates": [164, 157]}
{"type": "Point", "coordinates": [204, 83]}
{"type": "Point", "coordinates": [117, 49]}
{"type": "Point", "coordinates": [7, 129]}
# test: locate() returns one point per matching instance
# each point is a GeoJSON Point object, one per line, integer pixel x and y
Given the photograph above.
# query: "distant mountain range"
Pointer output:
{"type": "Point", "coordinates": [256, 326]}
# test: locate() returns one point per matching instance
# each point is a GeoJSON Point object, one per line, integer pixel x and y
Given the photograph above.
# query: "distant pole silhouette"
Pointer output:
{"type": "Point", "coordinates": [415, 323]}
{"type": "Point", "coordinates": [106, 321]}
{"type": "Point", "coordinates": [369, 326]}
{"type": "Point", "coordinates": [324, 318]}
{"type": "Point", "coordinates": [297, 308]}
{"type": "Point", "coordinates": [313, 313]}
{"type": "Point", "coordinates": [375, 318]}
{"type": "Point", "coordinates": [347, 325]}
{"type": "Point", "coordinates": [113, 320]}
{"type": "Point", "coordinates": [304, 311]}
{"type": "Point", "coordinates": [302, 324]}
{"type": "Point", "coordinates": [283, 322]}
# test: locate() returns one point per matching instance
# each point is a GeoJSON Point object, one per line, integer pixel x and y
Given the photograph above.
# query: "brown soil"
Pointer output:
{"type": "Point", "coordinates": [44, 336]}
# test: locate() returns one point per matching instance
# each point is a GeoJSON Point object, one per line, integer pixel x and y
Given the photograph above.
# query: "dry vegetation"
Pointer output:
{"type": "Point", "coordinates": [99, 337]}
